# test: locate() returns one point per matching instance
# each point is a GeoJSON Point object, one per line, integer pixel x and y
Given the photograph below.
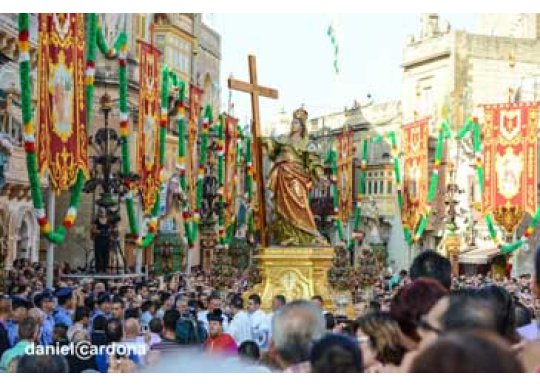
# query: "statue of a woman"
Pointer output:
{"type": "Point", "coordinates": [294, 171]}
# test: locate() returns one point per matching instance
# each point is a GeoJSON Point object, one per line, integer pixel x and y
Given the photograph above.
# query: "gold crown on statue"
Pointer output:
{"type": "Point", "coordinates": [301, 114]}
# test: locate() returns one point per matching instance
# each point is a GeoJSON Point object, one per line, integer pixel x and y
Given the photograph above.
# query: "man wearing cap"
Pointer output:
{"type": "Point", "coordinates": [103, 308]}
{"type": "Point", "coordinates": [62, 313]}
{"type": "Point", "coordinates": [19, 309]}
{"type": "Point", "coordinates": [45, 302]}
{"type": "Point", "coordinates": [219, 342]}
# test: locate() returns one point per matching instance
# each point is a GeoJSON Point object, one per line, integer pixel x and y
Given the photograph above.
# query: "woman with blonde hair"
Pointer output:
{"type": "Point", "coordinates": [379, 337]}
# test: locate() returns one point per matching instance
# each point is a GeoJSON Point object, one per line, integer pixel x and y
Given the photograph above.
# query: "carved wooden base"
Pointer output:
{"type": "Point", "coordinates": [295, 272]}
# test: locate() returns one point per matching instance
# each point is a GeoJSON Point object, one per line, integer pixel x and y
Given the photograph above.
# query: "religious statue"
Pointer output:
{"type": "Point", "coordinates": [295, 169]}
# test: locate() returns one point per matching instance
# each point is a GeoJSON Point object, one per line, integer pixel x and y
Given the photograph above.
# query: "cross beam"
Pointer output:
{"type": "Point", "coordinates": [256, 91]}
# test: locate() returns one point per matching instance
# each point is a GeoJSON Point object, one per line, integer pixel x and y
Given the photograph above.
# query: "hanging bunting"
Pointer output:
{"type": "Point", "coordinates": [150, 117]}
{"type": "Point", "coordinates": [62, 137]}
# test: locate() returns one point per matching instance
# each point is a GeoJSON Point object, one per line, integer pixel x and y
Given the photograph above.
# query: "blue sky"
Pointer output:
{"type": "Point", "coordinates": [294, 55]}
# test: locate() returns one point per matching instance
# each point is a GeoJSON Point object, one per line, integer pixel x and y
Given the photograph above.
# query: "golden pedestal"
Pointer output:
{"type": "Point", "coordinates": [294, 272]}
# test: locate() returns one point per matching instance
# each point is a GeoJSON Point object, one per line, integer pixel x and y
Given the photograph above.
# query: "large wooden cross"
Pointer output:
{"type": "Point", "coordinates": [256, 90]}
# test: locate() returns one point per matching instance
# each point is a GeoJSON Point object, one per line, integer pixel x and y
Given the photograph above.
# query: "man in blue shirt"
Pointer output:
{"type": "Point", "coordinates": [19, 308]}
{"type": "Point", "coordinates": [62, 314]}
{"type": "Point", "coordinates": [103, 308]}
{"type": "Point", "coordinates": [45, 302]}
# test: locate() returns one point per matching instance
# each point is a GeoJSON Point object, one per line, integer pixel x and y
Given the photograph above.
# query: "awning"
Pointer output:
{"type": "Point", "coordinates": [479, 255]}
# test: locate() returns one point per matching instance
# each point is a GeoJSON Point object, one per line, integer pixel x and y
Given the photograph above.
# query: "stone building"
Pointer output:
{"type": "Point", "coordinates": [19, 231]}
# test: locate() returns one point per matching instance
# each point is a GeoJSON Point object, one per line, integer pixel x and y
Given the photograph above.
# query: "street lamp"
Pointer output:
{"type": "Point", "coordinates": [106, 178]}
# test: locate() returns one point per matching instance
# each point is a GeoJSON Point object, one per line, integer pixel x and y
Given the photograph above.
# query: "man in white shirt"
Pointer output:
{"type": "Point", "coordinates": [260, 331]}
{"type": "Point", "coordinates": [214, 303]}
{"type": "Point", "coordinates": [240, 325]}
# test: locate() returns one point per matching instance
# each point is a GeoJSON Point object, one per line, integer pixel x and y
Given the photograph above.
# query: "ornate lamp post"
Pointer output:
{"type": "Point", "coordinates": [105, 177]}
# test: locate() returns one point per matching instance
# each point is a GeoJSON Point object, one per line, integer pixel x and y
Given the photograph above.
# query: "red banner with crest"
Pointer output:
{"type": "Point", "coordinates": [148, 131]}
{"type": "Point", "coordinates": [510, 158]}
{"type": "Point", "coordinates": [345, 152]}
{"type": "Point", "coordinates": [230, 183]}
{"type": "Point", "coordinates": [62, 144]}
{"type": "Point", "coordinates": [415, 138]}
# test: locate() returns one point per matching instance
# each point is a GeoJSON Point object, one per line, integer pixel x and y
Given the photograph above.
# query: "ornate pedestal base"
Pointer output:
{"type": "Point", "coordinates": [295, 272]}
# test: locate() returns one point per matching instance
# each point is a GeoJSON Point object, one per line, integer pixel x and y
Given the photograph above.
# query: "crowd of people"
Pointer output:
{"type": "Point", "coordinates": [418, 320]}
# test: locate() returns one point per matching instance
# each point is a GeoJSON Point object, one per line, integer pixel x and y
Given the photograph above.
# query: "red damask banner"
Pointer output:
{"type": "Point", "coordinates": [62, 143]}
{"type": "Point", "coordinates": [148, 132]}
{"type": "Point", "coordinates": [230, 183]}
{"type": "Point", "coordinates": [345, 154]}
{"type": "Point", "coordinates": [510, 158]}
{"type": "Point", "coordinates": [415, 138]}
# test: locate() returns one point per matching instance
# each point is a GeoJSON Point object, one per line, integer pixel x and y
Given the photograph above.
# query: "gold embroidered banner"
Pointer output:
{"type": "Point", "coordinates": [230, 184]}
{"type": "Point", "coordinates": [195, 107]}
{"type": "Point", "coordinates": [345, 155]}
{"type": "Point", "coordinates": [62, 144]}
{"type": "Point", "coordinates": [415, 171]}
{"type": "Point", "coordinates": [149, 121]}
{"type": "Point", "coordinates": [510, 158]}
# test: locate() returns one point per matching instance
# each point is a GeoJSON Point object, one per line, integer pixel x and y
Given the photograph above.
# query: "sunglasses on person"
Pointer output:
{"type": "Point", "coordinates": [423, 324]}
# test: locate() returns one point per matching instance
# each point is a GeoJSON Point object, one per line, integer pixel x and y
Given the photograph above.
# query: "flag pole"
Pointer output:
{"type": "Point", "coordinates": [50, 245]}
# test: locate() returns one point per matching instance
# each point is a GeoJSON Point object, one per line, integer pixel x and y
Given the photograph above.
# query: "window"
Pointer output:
{"type": "Point", "coordinates": [389, 187]}
{"type": "Point", "coordinates": [369, 187]}
{"type": "Point", "coordinates": [374, 187]}
{"type": "Point", "coordinates": [381, 190]}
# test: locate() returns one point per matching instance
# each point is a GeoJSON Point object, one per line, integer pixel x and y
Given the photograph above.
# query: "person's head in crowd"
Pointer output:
{"type": "Point", "coordinates": [169, 324]}
{"type": "Point", "coordinates": [215, 323]}
{"type": "Point", "coordinates": [115, 330]}
{"type": "Point", "coordinates": [64, 296]}
{"type": "Point", "coordinates": [37, 314]}
{"type": "Point", "coordinates": [28, 330]}
{"type": "Point", "coordinates": [461, 310]}
{"type": "Point", "coordinates": [203, 301]}
{"type": "Point", "coordinates": [467, 352]}
{"type": "Point", "coordinates": [19, 308]}
{"type": "Point", "coordinates": [237, 304]}
{"type": "Point", "coordinates": [90, 302]}
{"type": "Point", "coordinates": [379, 337]}
{"type": "Point", "coordinates": [503, 310]}
{"type": "Point", "coordinates": [5, 308]}
{"type": "Point", "coordinates": [99, 323]}
{"type": "Point", "coordinates": [278, 302]}
{"type": "Point", "coordinates": [430, 264]}
{"type": "Point", "coordinates": [330, 321]}
{"type": "Point", "coordinates": [193, 306]}
{"type": "Point", "coordinates": [42, 364]}
{"type": "Point", "coordinates": [294, 329]}
{"type": "Point", "coordinates": [99, 288]}
{"type": "Point", "coordinates": [523, 315]}
{"type": "Point", "coordinates": [375, 305]}
{"type": "Point", "coordinates": [144, 292]}
{"type": "Point", "coordinates": [82, 315]}
{"type": "Point", "coordinates": [133, 312]}
{"type": "Point", "coordinates": [214, 302]}
{"type": "Point", "coordinates": [155, 326]}
{"type": "Point", "coordinates": [104, 302]}
{"type": "Point", "coordinates": [132, 328]}
{"type": "Point", "coordinates": [411, 303]}
{"type": "Point", "coordinates": [60, 333]}
{"type": "Point", "coordinates": [148, 306]}
{"type": "Point", "coordinates": [249, 351]}
{"type": "Point", "coordinates": [182, 306]}
{"type": "Point", "coordinates": [318, 301]}
{"type": "Point", "coordinates": [117, 308]}
{"type": "Point", "coordinates": [166, 301]}
{"type": "Point", "coordinates": [336, 353]}
{"type": "Point", "coordinates": [45, 301]}
{"type": "Point", "coordinates": [254, 303]}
